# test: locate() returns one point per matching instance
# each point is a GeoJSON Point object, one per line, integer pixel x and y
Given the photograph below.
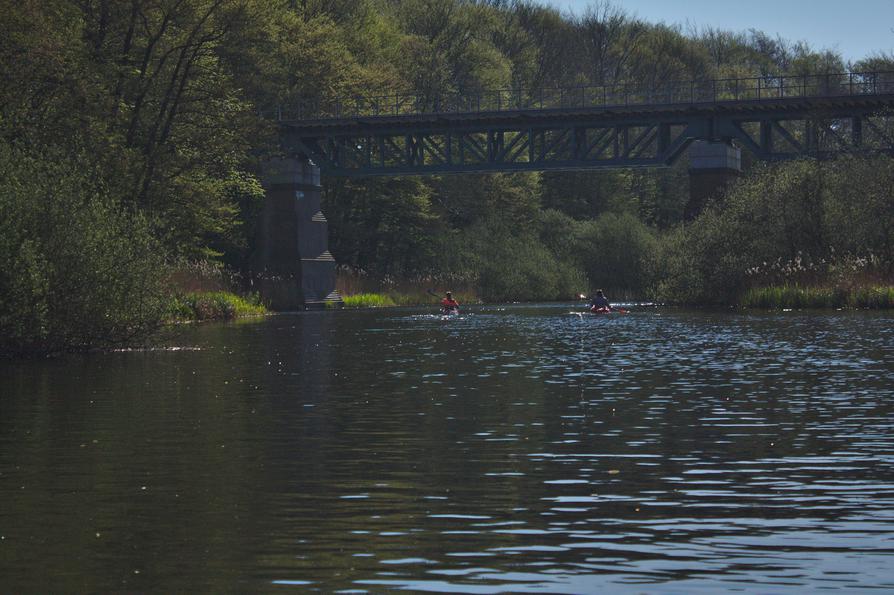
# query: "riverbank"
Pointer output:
{"type": "Point", "coordinates": [392, 299]}
{"type": "Point", "coordinates": [872, 297]}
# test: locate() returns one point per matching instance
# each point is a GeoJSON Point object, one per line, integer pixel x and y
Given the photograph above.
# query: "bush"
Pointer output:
{"type": "Point", "coordinates": [515, 267]}
{"type": "Point", "coordinates": [618, 253]}
{"type": "Point", "coordinates": [77, 271]}
{"type": "Point", "coordinates": [807, 223]}
{"type": "Point", "coordinates": [700, 263]}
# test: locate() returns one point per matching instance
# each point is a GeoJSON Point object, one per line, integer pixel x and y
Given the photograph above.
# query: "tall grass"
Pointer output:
{"type": "Point", "coordinates": [797, 297]}
{"type": "Point", "coordinates": [395, 298]}
{"type": "Point", "coordinates": [215, 305]}
{"type": "Point", "coordinates": [368, 291]}
{"type": "Point", "coordinates": [368, 300]}
{"type": "Point", "coordinates": [877, 297]}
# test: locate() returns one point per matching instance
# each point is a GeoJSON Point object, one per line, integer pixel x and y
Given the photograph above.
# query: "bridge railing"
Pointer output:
{"type": "Point", "coordinates": [594, 96]}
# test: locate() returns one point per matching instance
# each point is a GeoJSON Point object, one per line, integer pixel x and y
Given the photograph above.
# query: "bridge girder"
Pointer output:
{"type": "Point", "coordinates": [540, 140]}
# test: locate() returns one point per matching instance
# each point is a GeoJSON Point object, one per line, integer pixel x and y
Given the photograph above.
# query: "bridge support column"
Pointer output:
{"type": "Point", "coordinates": [295, 267]}
{"type": "Point", "coordinates": [712, 166]}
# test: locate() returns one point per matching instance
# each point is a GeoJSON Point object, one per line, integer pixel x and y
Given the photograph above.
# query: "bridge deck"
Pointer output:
{"type": "Point", "coordinates": [772, 122]}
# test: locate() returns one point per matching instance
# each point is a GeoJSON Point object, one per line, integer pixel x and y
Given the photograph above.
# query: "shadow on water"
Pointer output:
{"type": "Point", "coordinates": [514, 448]}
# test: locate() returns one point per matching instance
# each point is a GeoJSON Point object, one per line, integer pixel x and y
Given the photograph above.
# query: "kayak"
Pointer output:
{"type": "Point", "coordinates": [603, 311]}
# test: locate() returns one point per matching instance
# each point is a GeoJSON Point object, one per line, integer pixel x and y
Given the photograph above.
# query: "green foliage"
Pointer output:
{"type": "Point", "coordinates": [159, 103]}
{"type": "Point", "coordinates": [402, 297]}
{"type": "Point", "coordinates": [793, 296]}
{"type": "Point", "coordinates": [515, 266]}
{"type": "Point", "coordinates": [215, 305]}
{"type": "Point", "coordinates": [78, 271]}
{"type": "Point", "coordinates": [872, 297]}
{"type": "Point", "coordinates": [796, 297]}
{"type": "Point", "coordinates": [368, 300]}
{"type": "Point", "coordinates": [800, 222]}
{"type": "Point", "coordinates": [617, 253]}
{"type": "Point", "coordinates": [385, 226]}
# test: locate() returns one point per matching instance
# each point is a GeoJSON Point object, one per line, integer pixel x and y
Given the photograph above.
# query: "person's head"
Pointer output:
{"type": "Point", "coordinates": [449, 296]}
{"type": "Point", "coordinates": [599, 293]}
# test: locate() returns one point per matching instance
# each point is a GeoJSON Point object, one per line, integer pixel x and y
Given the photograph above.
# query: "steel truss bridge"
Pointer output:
{"type": "Point", "coordinates": [774, 118]}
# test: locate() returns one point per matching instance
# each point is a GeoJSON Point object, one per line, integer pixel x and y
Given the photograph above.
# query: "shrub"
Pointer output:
{"type": "Point", "coordinates": [618, 252]}
{"type": "Point", "coordinates": [806, 223]}
{"type": "Point", "coordinates": [519, 267]}
{"type": "Point", "coordinates": [77, 271]}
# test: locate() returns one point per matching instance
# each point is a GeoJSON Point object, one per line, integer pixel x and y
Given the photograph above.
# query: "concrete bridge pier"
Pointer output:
{"type": "Point", "coordinates": [294, 268]}
{"type": "Point", "coordinates": [712, 166]}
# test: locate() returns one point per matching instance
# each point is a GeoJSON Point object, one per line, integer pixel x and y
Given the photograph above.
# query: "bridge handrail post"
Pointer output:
{"type": "Point", "coordinates": [851, 82]}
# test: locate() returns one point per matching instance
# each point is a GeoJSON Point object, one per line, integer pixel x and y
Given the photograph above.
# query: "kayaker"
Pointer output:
{"type": "Point", "coordinates": [598, 303]}
{"type": "Point", "coordinates": [449, 305]}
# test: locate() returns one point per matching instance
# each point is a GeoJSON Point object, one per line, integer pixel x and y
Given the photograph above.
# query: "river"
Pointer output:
{"type": "Point", "coordinates": [517, 448]}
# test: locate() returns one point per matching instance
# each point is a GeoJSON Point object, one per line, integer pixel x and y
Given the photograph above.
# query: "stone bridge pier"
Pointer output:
{"type": "Point", "coordinates": [293, 268]}
{"type": "Point", "coordinates": [712, 166]}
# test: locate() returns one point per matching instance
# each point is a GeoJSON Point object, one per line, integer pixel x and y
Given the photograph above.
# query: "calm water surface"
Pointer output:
{"type": "Point", "coordinates": [515, 449]}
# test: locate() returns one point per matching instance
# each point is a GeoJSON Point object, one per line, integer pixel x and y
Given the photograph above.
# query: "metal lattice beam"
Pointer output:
{"type": "Point", "coordinates": [593, 137]}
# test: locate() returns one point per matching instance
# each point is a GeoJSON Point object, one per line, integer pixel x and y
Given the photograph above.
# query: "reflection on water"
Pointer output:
{"type": "Point", "coordinates": [513, 448]}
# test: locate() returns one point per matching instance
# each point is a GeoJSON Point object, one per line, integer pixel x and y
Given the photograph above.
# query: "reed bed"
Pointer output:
{"type": "Point", "coordinates": [215, 305]}
{"type": "Point", "coordinates": [798, 297]}
{"type": "Point", "coordinates": [360, 290]}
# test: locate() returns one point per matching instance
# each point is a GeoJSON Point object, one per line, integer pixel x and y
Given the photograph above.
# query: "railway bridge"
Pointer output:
{"type": "Point", "coordinates": [587, 127]}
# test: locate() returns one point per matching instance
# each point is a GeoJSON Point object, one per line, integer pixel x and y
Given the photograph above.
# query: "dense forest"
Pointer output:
{"type": "Point", "coordinates": [131, 140]}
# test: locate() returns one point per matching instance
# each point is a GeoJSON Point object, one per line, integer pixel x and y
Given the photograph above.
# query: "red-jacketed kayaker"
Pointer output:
{"type": "Point", "coordinates": [449, 305]}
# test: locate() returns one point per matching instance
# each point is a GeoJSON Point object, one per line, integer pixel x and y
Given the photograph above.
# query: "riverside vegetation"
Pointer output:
{"type": "Point", "coordinates": [130, 143]}
{"type": "Point", "coordinates": [215, 305]}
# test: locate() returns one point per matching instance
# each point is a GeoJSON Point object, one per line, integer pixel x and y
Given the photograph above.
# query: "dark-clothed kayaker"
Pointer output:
{"type": "Point", "coordinates": [599, 303]}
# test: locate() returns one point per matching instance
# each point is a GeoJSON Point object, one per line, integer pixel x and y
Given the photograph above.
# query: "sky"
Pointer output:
{"type": "Point", "coordinates": [854, 28]}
